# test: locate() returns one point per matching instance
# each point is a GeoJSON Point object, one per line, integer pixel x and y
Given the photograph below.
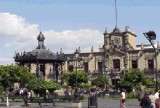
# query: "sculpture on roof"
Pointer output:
{"type": "Point", "coordinates": [41, 39]}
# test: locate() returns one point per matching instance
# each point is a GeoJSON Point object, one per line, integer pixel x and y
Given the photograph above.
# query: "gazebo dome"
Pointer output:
{"type": "Point", "coordinates": [39, 54]}
{"type": "Point", "coordinates": [43, 54]}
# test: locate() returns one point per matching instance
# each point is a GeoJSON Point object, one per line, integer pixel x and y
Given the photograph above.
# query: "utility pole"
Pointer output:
{"type": "Point", "coordinates": [116, 13]}
{"type": "Point", "coordinates": [151, 36]}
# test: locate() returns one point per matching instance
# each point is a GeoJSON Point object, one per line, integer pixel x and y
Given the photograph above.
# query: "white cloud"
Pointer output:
{"type": "Point", "coordinates": [17, 26]}
{"type": "Point", "coordinates": [69, 40]}
{"type": "Point", "coordinates": [6, 61]}
{"type": "Point", "coordinates": [18, 35]}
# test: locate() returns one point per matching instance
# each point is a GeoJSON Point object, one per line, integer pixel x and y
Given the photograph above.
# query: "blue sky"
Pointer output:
{"type": "Point", "coordinates": [63, 17]}
{"type": "Point", "coordinates": [66, 14]}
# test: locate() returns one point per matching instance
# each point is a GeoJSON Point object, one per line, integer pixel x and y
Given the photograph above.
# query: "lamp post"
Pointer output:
{"type": "Point", "coordinates": [7, 91]}
{"type": "Point", "coordinates": [76, 93]}
{"type": "Point", "coordinates": [151, 36]}
{"type": "Point", "coordinates": [76, 59]}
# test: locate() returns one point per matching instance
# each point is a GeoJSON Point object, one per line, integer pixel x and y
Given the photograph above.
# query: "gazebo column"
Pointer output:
{"type": "Point", "coordinates": [37, 69]}
{"type": "Point", "coordinates": [61, 74]}
{"type": "Point", "coordinates": [56, 72]}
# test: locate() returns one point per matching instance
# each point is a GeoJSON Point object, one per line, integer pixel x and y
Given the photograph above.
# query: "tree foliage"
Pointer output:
{"type": "Point", "coordinates": [42, 85]}
{"type": "Point", "coordinates": [85, 85]}
{"type": "Point", "coordinates": [71, 78]}
{"type": "Point", "coordinates": [100, 81]}
{"type": "Point", "coordinates": [10, 74]}
{"type": "Point", "coordinates": [134, 78]}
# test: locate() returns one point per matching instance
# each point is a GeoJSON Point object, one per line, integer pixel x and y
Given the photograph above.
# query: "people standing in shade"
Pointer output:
{"type": "Point", "coordinates": [92, 100]}
{"type": "Point", "coordinates": [145, 102]}
{"type": "Point", "coordinates": [157, 102]}
{"type": "Point", "coordinates": [140, 95]}
{"type": "Point", "coordinates": [123, 99]}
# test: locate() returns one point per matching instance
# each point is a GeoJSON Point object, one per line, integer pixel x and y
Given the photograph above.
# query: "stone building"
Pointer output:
{"type": "Point", "coordinates": [118, 54]}
{"type": "Point", "coordinates": [41, 61]}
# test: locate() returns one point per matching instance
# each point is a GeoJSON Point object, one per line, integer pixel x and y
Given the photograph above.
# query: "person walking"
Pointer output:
{"type": "Point", "coordinates": [152, 98]}
{"type": "Point", "coordinates": [157, 102]}
{"type": "Point", "coordinates": [123, 99]}
{"type": "Point", "coordinates": [157, 95]}
{"type": "Point", "coordinates": [92, 100]}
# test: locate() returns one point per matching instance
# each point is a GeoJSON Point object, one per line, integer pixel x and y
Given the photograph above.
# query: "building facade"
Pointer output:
{"type": "Point", "coordinates": [118, 54]}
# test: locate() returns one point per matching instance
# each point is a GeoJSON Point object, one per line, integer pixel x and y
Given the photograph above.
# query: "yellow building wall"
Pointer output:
{"type": "Point", "coordinates": [132, 40]}
{"type": "Point", "coordinates": [33, 68]}
{"type": "Point", "coordinates": [92, 65]}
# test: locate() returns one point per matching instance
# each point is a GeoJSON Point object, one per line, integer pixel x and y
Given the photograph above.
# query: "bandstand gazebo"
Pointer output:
{"type": "Point", "coordinates": [41, 61]}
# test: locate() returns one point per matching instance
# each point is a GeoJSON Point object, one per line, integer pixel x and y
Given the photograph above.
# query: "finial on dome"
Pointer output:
{"type": "Point", "coordinates": [61, 51]}
{"type": "Point", "coordinates": [79, 49]}
{"type": "Point", "coordinates": [126, 28]}
{"type": "Point", "coordinates": [105, 31]}
{"type": "Point", "coordinates": [92, 49]}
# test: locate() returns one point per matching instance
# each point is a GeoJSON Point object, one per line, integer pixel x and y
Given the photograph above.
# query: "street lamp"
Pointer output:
{"type": "Point", "coordinates": [151, 36]}
{"type": "Point", "coordinates": [7, 90]}
{"type": "Point", "coordinates": [76, 93]}
{"type": "Point", "coordinates": [76, 59]}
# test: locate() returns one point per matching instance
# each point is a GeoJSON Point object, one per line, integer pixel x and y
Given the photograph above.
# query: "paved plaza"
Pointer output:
{"type": "Point", "coordinates": [102, 103]}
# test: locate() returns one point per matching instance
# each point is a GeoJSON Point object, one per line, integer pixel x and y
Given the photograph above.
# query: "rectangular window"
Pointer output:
{"type": "Point", "coordinates": [70, 68]}
{"type": "Point", "coordinates": [116, 64]}
{"type": "Point", "coordinates": [100, 67]}
{"type": "Point", "coordinates": [151, 64]}
{"type": "Point", "coordinates": [86, 66]}
{"type": "Point", "coordinates": [134, 64]}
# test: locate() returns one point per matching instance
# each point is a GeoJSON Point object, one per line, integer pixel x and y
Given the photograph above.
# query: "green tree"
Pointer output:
{"type": "Point", "coordinates": [10, 74]}
{"type": "Point", "coordinates": [85, 85]}
{"type": "Point", "coordinates": [40, 86]}
{"type": "Point", "coordinates": [71, 78]}
{"type": "Point", "coordinates": [134, 79]}
{"type": "Point", "coordinates": [50, 85]}
{"type": "Point", "coordinates": [100, 81]}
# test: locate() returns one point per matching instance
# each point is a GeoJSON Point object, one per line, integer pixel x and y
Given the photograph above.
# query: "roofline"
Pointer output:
{"type": "Point", "coordinates": [120, 33]}
{"type": "Point", "coordinates": [145, 49]}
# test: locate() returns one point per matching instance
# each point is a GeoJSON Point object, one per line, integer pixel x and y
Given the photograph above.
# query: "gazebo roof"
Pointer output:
{"type": "Point", "coordinates": [39, 54]}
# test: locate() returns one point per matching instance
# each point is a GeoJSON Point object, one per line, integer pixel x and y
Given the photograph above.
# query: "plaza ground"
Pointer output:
{"type": "Point", "coordinates": [102, 103]}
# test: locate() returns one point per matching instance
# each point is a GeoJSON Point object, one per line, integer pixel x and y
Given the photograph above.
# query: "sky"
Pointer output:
{"type": "Point", "coordinates": [68, 24]}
